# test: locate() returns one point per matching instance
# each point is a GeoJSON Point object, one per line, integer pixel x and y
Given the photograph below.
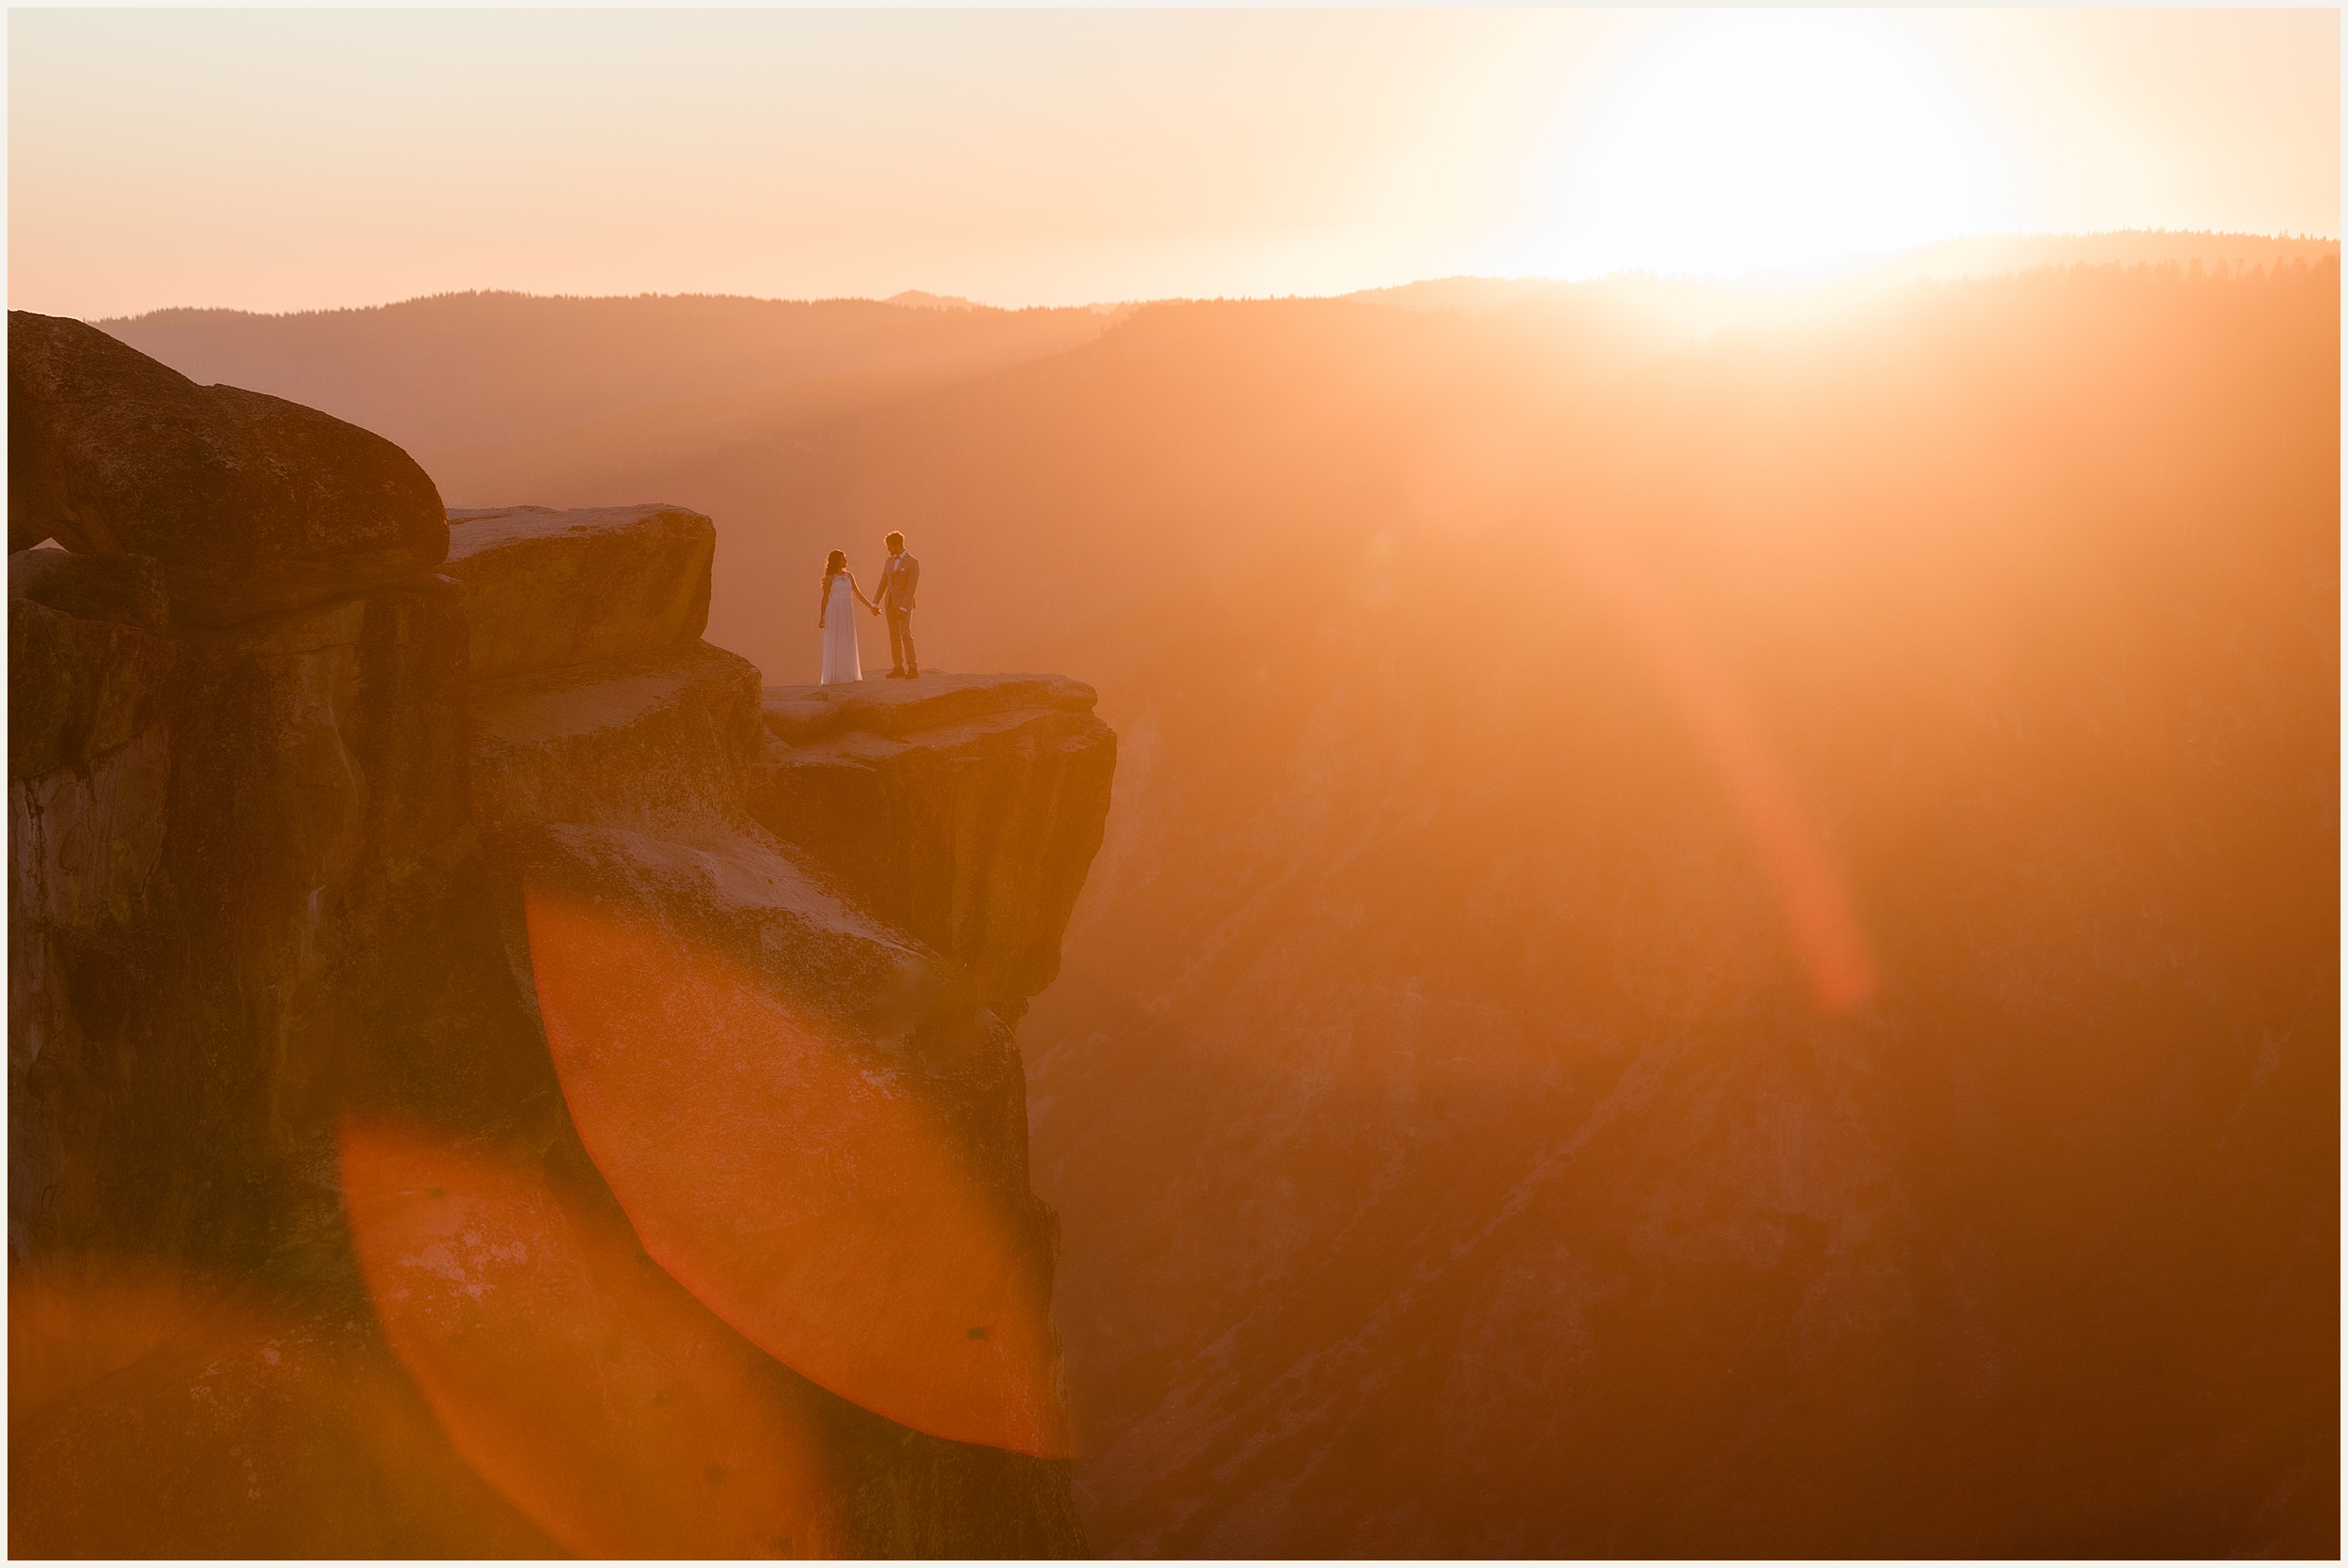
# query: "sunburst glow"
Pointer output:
{"type": "Point", "coordinates": [1763, 142]}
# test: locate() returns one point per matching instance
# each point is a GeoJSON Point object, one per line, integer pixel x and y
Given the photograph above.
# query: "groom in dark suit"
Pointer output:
{"type": "Point", "coordinates": [898, 580]}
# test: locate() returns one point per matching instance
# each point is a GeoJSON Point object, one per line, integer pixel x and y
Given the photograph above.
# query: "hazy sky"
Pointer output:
{"type": "Point", "coordinates": [286, 159]}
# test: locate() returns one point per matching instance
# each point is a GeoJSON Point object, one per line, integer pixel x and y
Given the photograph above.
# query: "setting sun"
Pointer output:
{"type": "Point", "coordinates": [1731, 144]}
{"type": "Point", "coordinates": [1069, 157]}
{"type": "Point", "coordinates": [1408, 784]}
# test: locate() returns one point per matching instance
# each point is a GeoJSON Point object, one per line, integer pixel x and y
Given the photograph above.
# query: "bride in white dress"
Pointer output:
{"type": "Point", "coordinates": [835, 617]}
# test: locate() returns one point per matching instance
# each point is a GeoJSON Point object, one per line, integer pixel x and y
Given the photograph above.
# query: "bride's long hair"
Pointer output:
{"type": "Point", "coordinates": [834, 564]}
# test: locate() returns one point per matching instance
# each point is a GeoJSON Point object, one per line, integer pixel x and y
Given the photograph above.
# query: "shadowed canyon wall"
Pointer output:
{"type": "Point", "coordinates": [1721, 930]}
{"type": "Point", "coordinates": [445, 1117]}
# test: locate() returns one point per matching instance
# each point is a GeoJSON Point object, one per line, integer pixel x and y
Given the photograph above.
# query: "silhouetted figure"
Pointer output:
{"type": "Point", "coordinates": [835, 617]}
{"type": "Point", "coordinates": [898, 579]}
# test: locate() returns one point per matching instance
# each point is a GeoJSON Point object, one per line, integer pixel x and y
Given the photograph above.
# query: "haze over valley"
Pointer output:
{"type": "Point", "coordinates": [1564, 783]}
{"type": "Point", "coordinates": [1457, 1092]}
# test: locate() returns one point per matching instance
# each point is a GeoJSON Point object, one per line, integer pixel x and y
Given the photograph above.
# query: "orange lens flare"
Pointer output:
{"type": "Point", "coordinates": [150, 1415]}
{"type": "Point", "coordinates": [797, 1185]}
{"type": "Point", "coordinates": [1832, 947]}
{"type": "Point", "coordinates": [586, 1385]}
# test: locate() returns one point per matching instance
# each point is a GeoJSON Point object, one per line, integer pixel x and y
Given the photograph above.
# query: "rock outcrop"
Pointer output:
{"type": "Point", "coordinates": [90, 783]}
{"type": "Point", "coordinates": [125, 589]}
{"type": "Point", "coordinates": [236, 762]}
{"type": "Point", "coordinates": [401, 958]}
{"type": "Point", "coordinates": [658, 742]}
{"type": "Point", "coordinates": [549, 588]}
{"type": "Point", "coordinates": [90, 632]}
{"type": "Point", "coordinates": [619, 796]}
{"type": "Point", "coordinates": [254, 505]}
{"type": "Point", "coordinates": [965, 809]}
{"type": "Point", "coordinates": [224, 846]}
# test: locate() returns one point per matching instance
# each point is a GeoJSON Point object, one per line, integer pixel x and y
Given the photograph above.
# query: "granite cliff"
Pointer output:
{"type": "Point", "coordinates": [486, 1077]}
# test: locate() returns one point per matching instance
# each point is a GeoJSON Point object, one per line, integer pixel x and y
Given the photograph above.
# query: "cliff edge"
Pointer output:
{"type": "Point", "coordinates": [966, 809]}
{"type": "Point", "coordinates": [488, 1077]}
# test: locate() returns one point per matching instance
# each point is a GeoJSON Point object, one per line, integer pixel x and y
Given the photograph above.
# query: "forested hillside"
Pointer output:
{"type": "Point", "coordinates": [1719, 931]}
{"type": "Point", "coordinates": [454, 371]}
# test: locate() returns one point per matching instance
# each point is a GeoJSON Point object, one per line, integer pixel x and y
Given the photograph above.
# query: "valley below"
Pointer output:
{"type": "Point", "coordinates": [1718, 933]}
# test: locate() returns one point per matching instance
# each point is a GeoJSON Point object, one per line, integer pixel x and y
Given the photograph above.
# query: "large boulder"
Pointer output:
{"type": "Point", "coordinates": [547, 589]}
{"type": "Point", "coordinates": [254, 505]}
{"type": "Point", "coordinates": [964, 809]}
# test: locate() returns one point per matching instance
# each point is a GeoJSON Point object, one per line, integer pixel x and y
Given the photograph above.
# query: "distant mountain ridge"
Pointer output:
{"type": "Point", "coordinates": [453, 370]}
{"type": "Point", "coordinates": [1945, 259]}
{"type": "Point", "coordinates": [914, 298]}
{"type": "Point", "coordinates": [1975, 256]}
{"type": "Point", "coordinates": [451, 376]}
{"type": "Point", "coordinates": [1985, 255]}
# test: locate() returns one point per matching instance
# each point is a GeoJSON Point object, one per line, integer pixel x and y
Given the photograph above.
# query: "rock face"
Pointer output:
{"type": "Point", "coordinates": [633, 789]}
{"type": "Point", "coordinates": [89, 780]}
{"type": "Point", "coordinates": [127, 590]}
{"type": "Point", "coordinates": [966, 809]}
{"type": "Point", "coordinates": [87, 633]}
{"type": "Point", "coordinates": [359, 914]}
{"type": "Point", "coordinates": [225, 842]}
{"type": "Point", "coordinates": [549, 589]}
{"type": "Point", "coordinates": [254, 505]}
{"type": "Point", "coordinates": [656, 742]}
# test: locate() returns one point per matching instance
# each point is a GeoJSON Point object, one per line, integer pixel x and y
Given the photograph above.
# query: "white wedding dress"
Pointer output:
{"type": "Point", "coordinates": [840, 662]}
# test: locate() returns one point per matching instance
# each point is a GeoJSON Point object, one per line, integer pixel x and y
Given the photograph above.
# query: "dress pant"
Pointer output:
{"type": "Point", "coordinates": [901, 655]}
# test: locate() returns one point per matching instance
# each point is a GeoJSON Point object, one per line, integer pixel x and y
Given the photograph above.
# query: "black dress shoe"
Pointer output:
{"type": "Point", "coordinates": [894, 675]}
{"type": "Point", "coordinates": [913, 674]}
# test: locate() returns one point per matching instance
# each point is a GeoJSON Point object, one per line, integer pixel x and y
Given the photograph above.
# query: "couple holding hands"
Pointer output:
{"type": "Point", "coordinates": [835, 613]}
